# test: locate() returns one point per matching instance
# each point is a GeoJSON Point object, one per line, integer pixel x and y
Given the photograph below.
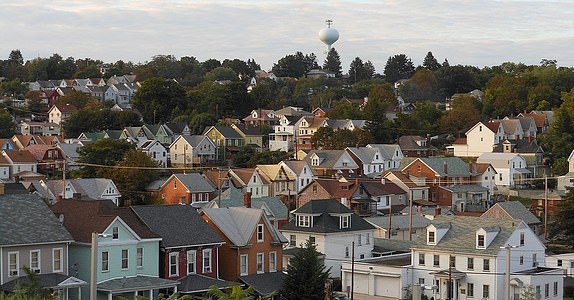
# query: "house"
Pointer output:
{"type": "Point", "coordinates": [484, 175]}
{"type": "Point", "coordinates": [334, 229]}
{"type": "Point", "coordinates": [567, 180]}
{"type": "Point", "coordinates": [472, 254]}
{"type": "Point", "coordinates": [292, 111]}
{"type": "Point", "coordinates": [397, 227]}
{"type": "Point", "coordinates": [528, 125]}
{"type": "Point", "coordinates": [512, 129]}
{"type": "Point", "coordinates": [82, 188]}
{"type": "Point", "coordinates": [376, 158]}
{"type": "Point", "coordinates": [563, 261]}
{"type": "Point", "coordinates": [514, 210]}
{"type": "Point", "coordinates": [416, 146]}
{"type": "Point", "coordinates": [189, 150]}
{"type": "Point", "coordinates": [39, 128]}
{"type": "Point", "coordinates": [439, 171]}
{"type": "Point", "coordinates": [260, 117]}
{"type": "Point", "coordinates": [300, 170]}
{"type": "Point", "coordinates": [191, 188]}
{"type": "Point", "coordinates": [155, 150]}
{"type": "Point", "coordinates": [32, 237]}
{"type": "Point", "coordinates": [465, 197]}
{"type": "Point", "coordinates": [251, 181]}
{"type": "Point", "coordinates": [59, 113]}
{"type": "Point", "coordinates": [280, 181]}
{"type": "Point", "coordinates": [20, 161]}
{"type": "Point", "coordinates": [531, 152]}
{"type": "Point", "coordinates": [479, 139]}
{"type": "Point", "coordinates": [50, 158]}
{"type": "Point", "coordinates": [127, 249]}
{"type": "Point", "coordinates": [226, 140]}
{"type": "Point", "coordinates": [252, 244]}
{"type": "Point", "coordinates": [540, 119]}
{"type": "Point", "coordinates": [20, 141]}
{"type": "Point", "coordinates": [6, 144]}
{"type": "Point", "coordinates": [252, 136]}
{"type": "Point", "coordinates": [510, 168]}
{"type": "Point", "coordinates": [70, 155]}
{"type": "Point", "coordinates": [332, 162]}
{"type": "Point", "coordinates": [189, 247]}
{"type": "Point", "coordinates": [4, 169]}
{"type": "Point", "coordinates": [137, 134]}
{"type": "Point", "coordinates": [305, 127]}
{"type": "Point", "coordinates": [283, 136]}
{"type": "Point", "coordinates": [415, 187]}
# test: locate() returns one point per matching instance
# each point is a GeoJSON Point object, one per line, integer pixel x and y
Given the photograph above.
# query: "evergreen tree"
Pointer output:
{"type": "Point", "coordinates": [398, 67]}
{"type": "Point", "coordinates": [563, 225]}
{"type": "Point", "coordinates": [306, 275]}
{"type": "Point", "coordinates": [360, 71]}
{"type": "Point", "coordinates": [333, 62]}
{"type": "Point", "coordinates": [430, 62]}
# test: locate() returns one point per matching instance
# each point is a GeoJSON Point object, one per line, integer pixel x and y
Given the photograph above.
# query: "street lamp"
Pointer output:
{"type": "Point", "coordinates": [94, 263]}
{"type": "Point", "coordinates": [507, 279]}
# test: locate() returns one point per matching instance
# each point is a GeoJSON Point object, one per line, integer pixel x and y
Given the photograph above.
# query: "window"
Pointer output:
{"type": "Point", "coordinates": [431, 237]}
{"type": "Point", "coordinates": [436, 260]}
{"type": "Point", "coordinates": [522, 239]}
{"type": "Point", "coordinates": [521, 260]}
{"type": "Point", "coordinates": [559, 263]}
{"type": "Point", "coordinates": [57, 260]}
{"type": "Point", "coordinates": [105, 261]}
{"type": "Point", "coordinates": [173, 264]}
{"type": "Point", "coordinates": [191, 262]}
{"type": "Point", "coordinates": [243, 260]}
{"type": "Point", "coordinates": [260, 261]}
{"type": "Point", "coordinates": [555, 288]}
{"type": "Point", "coordinates": [125, 259]}
{"type": "Point", "coordinates": [470, 290]}
{"type": "Point", "coordinates": [534, 262]}
{"type": "Point", "coordinates": [367, 238]}
{"type": "Point", "coordinates": [312, 240]}
{"type": "Point", "coordinates": [485, 291]}
{"type": "Point", "coordinates": [272, 261]}
{"type": "Point", "coordinates": [174, 185]}
{"type": "Point", "coordinates": [115, 233]}
{"type": "Point", "coordinates": [470, 263]}
{"type": "Point", "coordinates": [13, 263]}
{"type": "Point", "coordinates": [35, 261]}
{"type": "Point", "coordinates": [421, 259]}
{"type": "Point", "coordinates": [259, 233]}
{"type": "Point", "coordinates": [293, 240]}
{"type": "Point", "coordinates": [304, 221]}
{"type": "Point", "coordinates": [546, 290]}
{"type": "Point", "coordinates": [452, 260]}
{"type": "Point", "coordinates": [347, 251]}
{"type": "Point", "coordinates": [359, 240]}
{"type": "Point", "coordinates": [254, 179]}
{"type": "Point", "coordinates": [139, 257]}
{"type": "Point", "coordinates": [206, 260]}
{"type": "Point", "coordinates": [421, 281]}
{"type": "Point", "coordinates": [486, 265]}
{"type": "Point", "coordinates": [480, 241]}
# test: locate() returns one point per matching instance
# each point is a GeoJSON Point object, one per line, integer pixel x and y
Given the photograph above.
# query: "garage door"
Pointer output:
{"type": "Point", "coordinates": [388, 286]}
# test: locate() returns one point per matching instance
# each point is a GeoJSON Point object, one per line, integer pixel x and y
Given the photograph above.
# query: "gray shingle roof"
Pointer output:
{"type": "Point", "coordinates": [517, 211]}
{"type": "Point", "coordinates": [325, 222]}
{"type": "Point", "coordinates": [137, 283]}
{"type": "Point", "coordinates": [400, 221]}
{"type": "Point", "coordinates": [455, 165]}
{"type": "Point", "coordinates": [265, 283]}
{"type": "Point", "coordinates": [465, 188]}
{"type": "Point", "coordinates": [233, 197]}
{"type": "Point", "coordinates": [195, 182]}
{"type": "Point", "coordinates": [195, 283]}
{"type": "Point", "coordinates": [185, 227]}
{"type": "Point", "coordinates": [26, 219]}
{"type": "Point", "coordinates": [51, 280]}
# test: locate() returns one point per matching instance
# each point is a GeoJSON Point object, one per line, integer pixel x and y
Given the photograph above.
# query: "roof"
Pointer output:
{"type": "Point", "coordinates": [136, 283]}
{"type": "Point", "coordinates": [493, 126]}
{"type": "Point", "coordinates": [516, 210]}
{"type": "Point", "coordinates": [38, 151]}
{"type": "Point", "coordinates": [185, 227]}
{"type": "Point", "coordinates": [70, 150]}
{"type": "Point", "coordinates": [292, 111]}
{"type": "Point", "coordinates": [510, 125]}
{"type": "Point", "coordinates": [194, 182]}
{"type": "Point", "coordinates": [20, 156]}
{"type": "Point", "coordinates": [297, 166]}
{"type": "Point", "coordinates": [233, 197]}
{"type": "Point", "coordinates": [25, 219]}
{"type": "Point", "coordinates": [328, 157]}
{"type": "Point", "coordinates": [519, 146]}
{"type": "Point", "coordinates": [539, 118]}
{"type": "Point", "coordinates": [497, 160]}
{"type": "Point", "coordinates": [399, 221]}
{"type": "Point", "coordinates": [455, 166]}
{"type": "Point", "coordinates": [50, 280]}
{"type": "Point", "coordinates": [193, 140]}
{"type": "Point", "coordinates": [92, 188]}
{"type": "Point", "coordinates": [461, 237]}
{"type": "Point", "coordinates": [227, 131]}
{"type": "Point", "coordinates": [243, 173]}
{"type": "Point", "coordinates": [238, 224]}
{"type": "Point", "coordinates": [465, 188]}
{"type": "Point", "coordinates": [65, 108]}
{"type": "Point", "coordinates": [81, 218]}
{"type": "Point", "coordinates": [195, 283]}
{"type": "Point", "coordinates": [325, 222]}
{"type": "Point", "coordinates": [266, 283]}
{"type": "Point", "coordinates": [409, 142]}
{"type": "Point", "coordinates": [391, 245]}
{"type": "Point", "coordinates": [248, 129]}
{"type": "Point", "coordinates": [400, 176]}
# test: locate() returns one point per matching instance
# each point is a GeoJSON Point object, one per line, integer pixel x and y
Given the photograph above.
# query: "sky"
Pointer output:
{"type": "Point", "coordinates": [468, 32]}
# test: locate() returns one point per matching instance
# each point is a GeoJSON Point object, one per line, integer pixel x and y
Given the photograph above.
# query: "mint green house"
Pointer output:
{"type": "Point", "coordinates": [127, 250]}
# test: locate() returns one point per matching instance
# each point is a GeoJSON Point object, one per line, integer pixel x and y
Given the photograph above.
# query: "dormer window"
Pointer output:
{"type": "Point", "coordinates": [315, 161]}
{"type": "Point", "coordinates": [431, 238]}
{"type": "Point", "coordinates": [344, 222]}
{"type": "Point", "coordinates": [304, 221]}
{"type": "Point", "coordinates": [480, 241]}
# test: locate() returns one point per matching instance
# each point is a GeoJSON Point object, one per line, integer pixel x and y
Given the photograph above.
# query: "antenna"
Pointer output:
{"type": "Point", "coordinates": [329, 22]}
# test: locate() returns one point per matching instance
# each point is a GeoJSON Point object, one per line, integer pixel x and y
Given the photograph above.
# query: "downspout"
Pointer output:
{"type": "Point", "coordinates": [217, 252]}
{"type": "Point", "coordinates": [1, 265]}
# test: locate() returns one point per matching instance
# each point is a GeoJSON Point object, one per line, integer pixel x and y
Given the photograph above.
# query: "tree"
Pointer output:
{"type": "Point", "coordinates": [430, 62]}
{"type": "Point", "coordinates": [528, 293]}
{"type": "Point", "coordinates": [30, 286]}
{"type": "Point", "coordinates": [103, 152]}
{"type": "Point", "coordinates": [398, 67]}
{"type": "Point", "coordinates": [78, 99]}
{"type": "Point", "coordinates": [210, 64]}
{"type": "Point", "coordinates": [295, 65]}
{"type": "Point", "coordinates": [462, 116]}
{"type": "Point", "coordinates": [132, 174]}
{"type": "Point", "coordinates": [306, 275]}
{"type": "Point", "coordinates": [157, 97]}
{"type": "Point", "coordinates": [360, 71]}
{"type": "Point", "coordinates": [421, 86]}
{"type": "Point", "coordinates": [563, 225]}
{"type": "Point", "coordinates": [333, 63]}
{"type": "Point", "coordinates": [221, 73]}
{"type": "Point", "coordinates": [7, 125]}
{"type": "Point", "coordinates": [16, 57]}
{"type": "Point", "coordinates": [236, 292]}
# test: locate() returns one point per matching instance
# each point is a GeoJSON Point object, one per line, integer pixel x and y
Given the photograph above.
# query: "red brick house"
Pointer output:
{"type": "Point", "coordinates": [186, 189]}
{"type": "Point", "coordinates": [49, 157]}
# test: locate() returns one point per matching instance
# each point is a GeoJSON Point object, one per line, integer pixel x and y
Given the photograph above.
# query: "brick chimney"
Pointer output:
{"type": "Point", "coordinates": [529, 139]}
{"type": "Point", "coordinates": [247, 199]}
{"type": "Point", "coordinates": [445, 167]}
{"type": "Point", "coordinates": [437, 211]}
{"type": "Point", "coordinates": [2, 192]}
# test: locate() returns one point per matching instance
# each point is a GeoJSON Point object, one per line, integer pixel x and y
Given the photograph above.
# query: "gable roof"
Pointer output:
{"type": "Point", "coordinates": [193, 140]}
{"type": "Point", "coordinates": [239, 223]}
{"type": "Point", "coordinates": [184, 228]}
{"type": "Point", "coordinates": [399, 221]}
{"type": "Point", "coordinates": [497, 160]}
{"type": "Point", "coordinates": [515, 210]}
{"type": "Point", "coordinates": [194, 182]}
{"type": "Point", "coordinates": [233, 197]}
{"type": "Point", "coordinates": [297, 166]}
{"type": "Point", "coordinates": [65, 108]}
{"type": "Point", "coordinates": [227, 131]}
{"type": "Point", "coordinates": [26, 219]}
{"type": "Point", "coordinates": [92, 188]}
{"type": "Point", "coordinates": [323, 221]}
{"type": "Point", "coordinates": [493, 126]}
{"type": "Point", "coordinates": [328, 158]}
{"type": "Point", "coordinates": [20, 156]}
{"type": "Point", "coordinates": [38, 151]}
{"type": "Point", "coordinates": [454, 165]}
{"type": "Point", "coordinates": [247, 130]}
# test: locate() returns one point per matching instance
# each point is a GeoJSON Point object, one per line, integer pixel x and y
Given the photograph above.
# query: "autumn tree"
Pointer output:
{"type": "Point", "coordinates": [463, 115]}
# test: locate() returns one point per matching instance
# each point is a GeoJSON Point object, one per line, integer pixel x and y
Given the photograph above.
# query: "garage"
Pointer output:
{"type": "Point", "coordinates": [388, 286]}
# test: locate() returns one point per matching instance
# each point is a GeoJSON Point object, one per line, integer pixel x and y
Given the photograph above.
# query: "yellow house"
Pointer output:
{"type": "Point", "coordinates": [252, 135]}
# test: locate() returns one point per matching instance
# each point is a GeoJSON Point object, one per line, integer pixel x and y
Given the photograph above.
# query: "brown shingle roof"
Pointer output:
{"type": "Point", "coordinates": [39, 151]}
{"type": "Point", "coordinates": [493, 126]}
{"type": "Point", "coordinates": [20, 156]}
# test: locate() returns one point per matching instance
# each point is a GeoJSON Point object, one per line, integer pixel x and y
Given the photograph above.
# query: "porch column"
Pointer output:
{"type": "Point", "coordinates": [151, 294]}
{"type": "Point", "coordinates": [110, 296]}
{"type": "Point", "coordinates": [79, 292]}
{"type": "Point", "coordinates": [135, 295]}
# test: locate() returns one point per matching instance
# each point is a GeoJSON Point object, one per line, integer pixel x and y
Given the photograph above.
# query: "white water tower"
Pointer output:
{"type": "Point", "coordinates": [328, 35]}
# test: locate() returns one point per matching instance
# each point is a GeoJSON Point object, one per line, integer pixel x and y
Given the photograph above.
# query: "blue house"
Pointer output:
{"type": "Point", "coordinates": [127, 250]}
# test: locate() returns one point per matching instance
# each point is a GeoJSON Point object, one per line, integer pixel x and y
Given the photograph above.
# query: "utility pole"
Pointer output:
{"type": "Point", "coordinates": [545, 206]}
{"type": "Point", "coordinates": [449, 284]}
{"type": "Point", "coordinates": [94, 266]}
{"type": "Point", "coordinates": [411, 218]}
{"type": "Point", "coordinates": [390, 221]}
{"type": "Point", "coordinates": [507, 275]}
{"type": "Point", "coordinates": [352, 269]}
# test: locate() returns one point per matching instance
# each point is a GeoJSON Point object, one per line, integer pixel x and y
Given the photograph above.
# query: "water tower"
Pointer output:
{"type": "Point", "coordinates": [328, 35]}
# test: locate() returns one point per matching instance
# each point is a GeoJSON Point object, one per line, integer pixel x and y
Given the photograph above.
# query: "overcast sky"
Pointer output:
{"type": "Point", "coordinates": [481, 32]}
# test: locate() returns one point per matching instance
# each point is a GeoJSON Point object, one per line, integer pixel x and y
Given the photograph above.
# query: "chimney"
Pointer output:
{"type": "Point", "coordinates": [77, 196]}
{"type": "Point", "coordinates": [445, 167]}
{"type": "Point", "coordinates": [247, 199]}
{"type": "Point", "coordinates": [344, 201]}
{"type": "Point", "coordinates": [529, 139]}
{"type": "Point", "coordinates": [437, 211]}
{"type": "Point", "coordinates": [2, 188]}
{"type": "Point", "coordinates": [59, 198]}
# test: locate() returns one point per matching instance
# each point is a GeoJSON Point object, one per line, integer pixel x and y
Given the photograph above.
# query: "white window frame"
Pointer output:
{"type": "Point", "coordinates": [176, 255]}
{"type": "Point", "coordinates": [260, 233]}
{"type": "Point", "coordinates": [303, 221]}
{"type": "Point", "coordinates": [272, 261]}
{"type": "Point", "coordinates": [191, 261]}
{"type": "Point", "coordinates": [38, 267]}
{"type": "Point", "coordinates": [107, 260]}
{"type": "Point", "coordinates": [14, 272]}
{"type": "Point", "coordinates": [139, 257]}
{"type": "Point", "coordinates": [206, 261]}
{"type": "Point", "coordinates": [126, 259]}
{"type": "Point", "coordinates": [59, 267]}
{"type": "Point", "coordinates": [260, 263]}
{"type": "Point", "coordinates": [344, 222]}
{"type": "Point", "coordinates": [115, 232]}
{"type": "Point", "coordinates": [246, 270]}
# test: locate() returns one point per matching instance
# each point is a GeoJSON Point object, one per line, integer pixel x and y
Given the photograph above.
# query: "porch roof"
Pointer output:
{"type": "Point", "coordinates": [136, 283]}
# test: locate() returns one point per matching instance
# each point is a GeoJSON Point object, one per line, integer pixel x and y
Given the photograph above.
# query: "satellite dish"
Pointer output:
{"type": "Point", "coordinates": [329, 35]}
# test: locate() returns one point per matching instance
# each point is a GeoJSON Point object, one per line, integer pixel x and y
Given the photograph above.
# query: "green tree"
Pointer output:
{"type": "Point", "coordinates": [398, 67]}
{"type": "Point", "coordinates": [360, 71]}
{"type": "Point", "coordinates": [295, 65]}
{"type": "Point", "coordinates": [456, 79]}
{"type": "Point", "coordinates": [210, 64]}
{"type": "Point", "coordinates": [157, 97]}
{"type": "Point", "coordinates": [7, 125]}
{"type": "Point", "coordinates": [563, 226]}
{"type": "Point", "coordinates": [463, 115]}
{"type": "Point", "coordinates": [103, 152]}
{"type": "Point", "coordinates": [221, 73]}
{"type": "Point", "coordinates": [430, 62]}
{"type": "Point", "coordinates": [30, 287]}
{"type": "Point", "coordinates": [242, 157]}
{"type": "Point", "coordinates": [323, 138]}
{"type": "Point", "coordinates": [78, 99]}
{"type": "Point", "coordinates": [236, 292]}
{"type": "Point", "coordinates": [333, 63]}
{"type": "Point", "coordinates": [306, 275]}
{"type": "Point", "coordinates": [421, 86]}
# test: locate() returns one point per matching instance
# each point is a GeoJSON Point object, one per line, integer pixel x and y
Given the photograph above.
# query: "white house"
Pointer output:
{"type": "Point", "coordinates": [484, 175]}
{"type": "Point", "coordinates": [59, 113]}
{"type": "Point", "coordinates": [301, 170]}
{"type": "Point", "coordinates": [472, 253]}
{"type": "Point", "coordinates": [329, 162]}
{"type": "Point", "coordinates": [283, 137]}
{"type": "Point", "coordinates": [191, 149]}
{"type": "Point", "coordinates": [155, 150]}
{"type": "Point", "coordinates": [563, 261]}
{"type": "Point", "coordinates": [333, 228]}
{"type": "Point", "coordinates": [567, 180]}
{"type": "Point", "coordinates": [375, 158]}
{"type": "Point", "coordinates": [510, 168]}
{"type": "Point", "coordinates": [251, 181]}
{"type": "Point", "coordinates": [480, 139]}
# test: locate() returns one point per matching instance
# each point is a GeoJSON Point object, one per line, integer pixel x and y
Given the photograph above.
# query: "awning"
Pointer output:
{"type": "Point", "coordinates": [523, 171]}
{"type": "Point", "coordinates": [454, 274]}
{"type": "Point", "coordinates": [136, 283]}
{"type": "Point", "coordinates": [55, 281]}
